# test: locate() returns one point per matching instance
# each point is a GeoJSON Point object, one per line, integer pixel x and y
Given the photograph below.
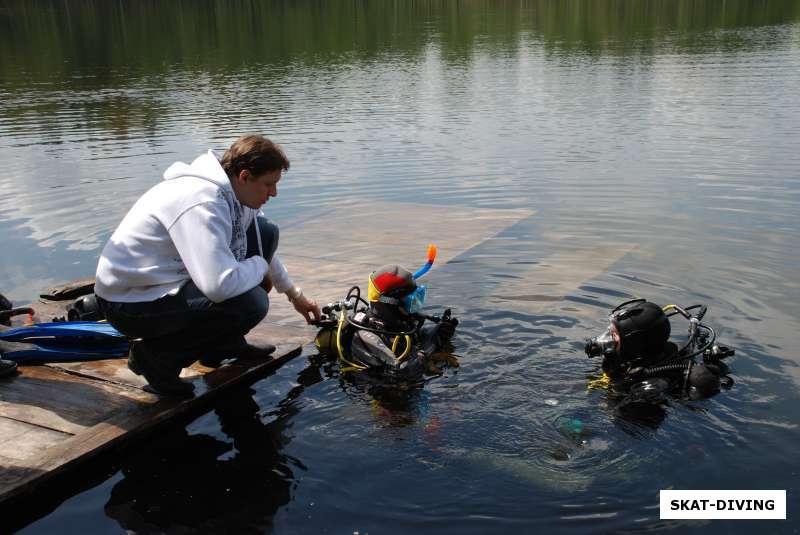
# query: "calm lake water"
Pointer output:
{"type": "Point", "coordinates": [668, 131]}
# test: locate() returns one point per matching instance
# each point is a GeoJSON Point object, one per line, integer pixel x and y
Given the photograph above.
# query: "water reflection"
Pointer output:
{"type": "Point", "coordinates": [100, 97]}
{"type": "Point", "coordinates": [392, 404]}
{"type": "Point", "coordinates": [93, 43]}
{"type": "Point", "coordinates": [208, 483]}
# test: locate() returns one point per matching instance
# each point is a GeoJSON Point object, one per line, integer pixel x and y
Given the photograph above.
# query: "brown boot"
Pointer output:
{"type": "Point", "coordinates": [162, 376]}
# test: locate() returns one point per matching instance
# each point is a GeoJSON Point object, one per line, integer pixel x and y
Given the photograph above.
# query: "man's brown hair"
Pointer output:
{"type": "Point", "coordinates": [256, 154]}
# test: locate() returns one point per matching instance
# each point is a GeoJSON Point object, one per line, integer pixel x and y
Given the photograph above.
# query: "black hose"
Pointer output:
{"type": "Point", "coordinates": [357, 296]}
{"type": "Point", "coordinates": [7, 314]}
{"type": "Point", "coordinates": [379, 331]}
{"type": "Point", "coordinates": [707, 345]}
{"type": "Point", "coordinates": [688, 343]}
{"type": "Point", "coordinates": [685, 314]}
{"type": "Point", "coordinates": [672, 367]}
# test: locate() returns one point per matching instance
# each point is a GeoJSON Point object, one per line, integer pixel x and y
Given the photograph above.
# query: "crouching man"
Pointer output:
{"type": "Point", "coordinates": [186, 274]}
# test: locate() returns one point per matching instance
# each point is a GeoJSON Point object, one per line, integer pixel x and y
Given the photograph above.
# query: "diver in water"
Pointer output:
{"type": "Point", "coordinates": [643, 366]}
{"type": "Point", "coordinates": [386, 335]}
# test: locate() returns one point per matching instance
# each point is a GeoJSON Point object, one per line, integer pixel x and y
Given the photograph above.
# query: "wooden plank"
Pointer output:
{"type": "Point", "coordinates": [131, 424]}
{"type": "Point", "coordinates": [544, 286]}
{"type": "Point", "coordinates": [328, 261]}
{"type": "Point", "coordinates": [52, 399]}
{"type": "Point", "coordinates": [377, 233]}
{"type": "Point", "coordinates": [69, 290]}
{"type": "Point", "coordinates": [311, 272]}
{"type": "Point", "coordinates": [285, 338]}
{"type": "Point", "coordinates": [21, 440]}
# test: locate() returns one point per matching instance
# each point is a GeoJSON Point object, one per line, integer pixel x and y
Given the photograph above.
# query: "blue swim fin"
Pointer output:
{"type": "Point", "coordinates": [62, 342]}
{"type": "Point", "coordinates": [64, 329]}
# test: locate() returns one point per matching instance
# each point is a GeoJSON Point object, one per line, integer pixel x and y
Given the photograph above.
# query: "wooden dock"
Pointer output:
{"type": "Point", "coordinates": [57, 417]}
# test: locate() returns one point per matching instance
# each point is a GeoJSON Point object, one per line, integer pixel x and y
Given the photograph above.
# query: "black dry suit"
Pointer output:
{"type": "Point", "coordinates": [644, 366]}
{"type": "Point", "coordinates": [380, 337]}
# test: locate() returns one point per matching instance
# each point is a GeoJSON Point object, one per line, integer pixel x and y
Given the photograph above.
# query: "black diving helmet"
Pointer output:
{"type": "Point", "coordinates": [636, 329]}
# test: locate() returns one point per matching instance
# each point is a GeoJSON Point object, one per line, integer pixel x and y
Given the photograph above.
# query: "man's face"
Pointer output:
{"type": "Point", "coordinates": [615, 336]}
{"type": "Point", "coordinates": [253, 191]}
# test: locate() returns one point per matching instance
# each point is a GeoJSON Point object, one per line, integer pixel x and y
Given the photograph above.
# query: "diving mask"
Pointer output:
{"type": "Point", "coordinates": [604, 345]}
{"type": "Point", "coordinates": [637, 329]}
{"type": "Point", "coordinates": [413, 302]}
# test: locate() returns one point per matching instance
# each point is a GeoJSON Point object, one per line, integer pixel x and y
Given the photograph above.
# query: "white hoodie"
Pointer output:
{"type": "Point", "coordinates": [190, 226]}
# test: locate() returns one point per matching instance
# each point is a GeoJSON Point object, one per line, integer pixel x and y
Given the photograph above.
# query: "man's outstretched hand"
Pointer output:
{"type": "Point", "coordinates": [307, 308]}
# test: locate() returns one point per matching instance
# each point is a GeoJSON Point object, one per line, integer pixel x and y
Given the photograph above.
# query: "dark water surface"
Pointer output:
{"type": "Point", "coordinates": [670, 129]}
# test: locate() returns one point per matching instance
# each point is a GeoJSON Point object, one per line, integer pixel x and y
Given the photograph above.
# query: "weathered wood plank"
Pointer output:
{"type": "Point", "coordinates": [69, 290]}
{"type": "Point", "coordinates": [285, 338]}
{"type": "Point", "coordinates": [328, 262]}
{"type": "Point", "coordinates": [538, 288]}
{"type": "Point", "coordinates": [56, 400]}
{"type": "Point", "coordinates": [21, 440]}
{"type": "Point", "coordinates": [379, 233]}
{"type": "Point", "coordinates": [129, 424]}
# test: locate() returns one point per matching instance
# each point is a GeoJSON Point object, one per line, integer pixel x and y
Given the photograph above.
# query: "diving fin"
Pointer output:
{"type": "Point", "coordinates": [64, 329]}
{"type": "Point", "coordinates": [62, 342]}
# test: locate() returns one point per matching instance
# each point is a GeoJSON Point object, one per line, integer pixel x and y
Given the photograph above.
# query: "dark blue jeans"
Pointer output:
{"type": "Point", "coordinates": [186, 326]}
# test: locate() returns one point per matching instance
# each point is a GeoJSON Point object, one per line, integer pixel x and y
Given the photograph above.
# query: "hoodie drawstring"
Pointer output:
{"type": "Point", "coordinates": [258, 236]}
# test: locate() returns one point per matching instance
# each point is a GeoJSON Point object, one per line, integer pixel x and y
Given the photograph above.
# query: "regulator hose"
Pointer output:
{"type": "Point", "coordinates": [357, 295]}
{"type": "Point", "coordinates": [709, 343]}
{"type": "Point", "coordinates": [7, 314]}
{"type": "Point", "coordinates": [351, 366]}
{"type": "Point", "coordinates": [379, 331]}
{"type": "Point", "coordinates": [673, 367]}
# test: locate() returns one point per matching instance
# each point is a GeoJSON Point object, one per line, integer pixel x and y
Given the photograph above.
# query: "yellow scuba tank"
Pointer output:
{"type": "Point", "coordinates": [326, 340]}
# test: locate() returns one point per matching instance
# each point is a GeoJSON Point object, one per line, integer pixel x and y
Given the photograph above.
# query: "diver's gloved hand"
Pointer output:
{"type": "Point", "coordinates": [447, 325]}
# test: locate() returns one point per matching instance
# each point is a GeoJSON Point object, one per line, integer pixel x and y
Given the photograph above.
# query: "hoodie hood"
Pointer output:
{"type": "Point", "coordinates": [205, 166]}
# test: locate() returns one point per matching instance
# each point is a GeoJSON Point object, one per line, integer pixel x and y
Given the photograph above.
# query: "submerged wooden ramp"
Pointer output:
{"type": "Point", "coordinates": [56, 417]}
